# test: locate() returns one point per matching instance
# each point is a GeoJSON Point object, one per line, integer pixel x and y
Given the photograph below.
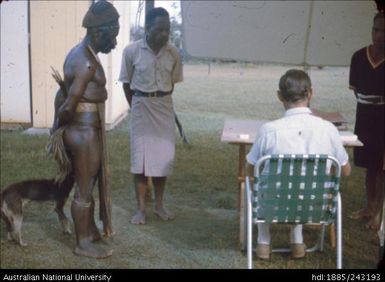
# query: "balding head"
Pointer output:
{"type": "Point", "coordinates": [294, 86]}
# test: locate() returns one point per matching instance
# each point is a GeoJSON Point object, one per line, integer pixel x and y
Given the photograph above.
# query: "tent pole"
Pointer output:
{"type": "Point", "coordinates": [149, 4]}
{"type": "Point", "coordinates": [305, 64]}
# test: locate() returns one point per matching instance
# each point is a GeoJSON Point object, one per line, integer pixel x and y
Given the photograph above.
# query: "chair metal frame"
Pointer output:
{"type": "Point", "coordinates": [310, 173]}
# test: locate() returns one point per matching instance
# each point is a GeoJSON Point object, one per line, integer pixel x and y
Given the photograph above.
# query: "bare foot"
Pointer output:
{"type": "Point", "coordinates": [361, 214]}
{"type": "Point", "coordinates": [164, 214]}
{"type": "Point", "coordinates": [94, 231]}
{"type": "Point", "coordinates": [17, 239]}
{"type": "Point", "coordinates": [95, 235]}
{"type": "Point", "coordinates": [139, 218]}
{"type": "Point", "coordinates": [108, 233]}
{"type": "Point", "coordinates": [374, 222]}
{"type": "Point", "coordinates": [22, 243]}
{"type": "Point", "coordinates": [66, 226]}
{"type": "Point", "coordinates": [90, 250]}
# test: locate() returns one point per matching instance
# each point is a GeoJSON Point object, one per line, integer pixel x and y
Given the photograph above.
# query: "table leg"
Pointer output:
{"type": "Point", "coordinates": [332, 234]}
{"type": "Point", "coordinates": [242, 202]}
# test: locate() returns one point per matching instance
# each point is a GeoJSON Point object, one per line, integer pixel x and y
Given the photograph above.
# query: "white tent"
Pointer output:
{"type": "Point", "coordinates": [304, 33]}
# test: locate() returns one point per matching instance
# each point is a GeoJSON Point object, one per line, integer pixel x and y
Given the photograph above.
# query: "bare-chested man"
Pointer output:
{"type": "Point", "coordinates": [80, 114]}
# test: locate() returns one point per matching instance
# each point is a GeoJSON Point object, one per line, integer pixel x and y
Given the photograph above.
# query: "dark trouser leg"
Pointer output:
{"type": "Point", "coordinates": [371, 179]}
{"type": "Point", "coordinates": [375, 190]}
{"type": "Point", "coordinates": [371, 197]}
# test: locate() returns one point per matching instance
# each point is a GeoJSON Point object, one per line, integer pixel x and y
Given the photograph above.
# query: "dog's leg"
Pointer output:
{"type": "Point", "coordinates": [61, 215]}
{"type": "Point", "coordinates": [16, 233]}
{"type": "Point", "coordinates": [12, 212]}
{"type": "Point", "coordinates": [13, 221]}
{"type": "Point", "coordinates": [7, 216]}
{"type": "Point", "coordinates": [63, 192]}
{"type": "Point", "coordinates": [8, 226]}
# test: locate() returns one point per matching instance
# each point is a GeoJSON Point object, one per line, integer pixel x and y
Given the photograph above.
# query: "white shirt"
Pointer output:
{"type": "Point", "coordinates": [298, 132]}
{"type": "Point", "coordinates": [148, 72]}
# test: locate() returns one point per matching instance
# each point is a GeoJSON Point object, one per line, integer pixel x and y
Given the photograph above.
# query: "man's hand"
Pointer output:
{"type": "Point", "coordinates": [128, 92]}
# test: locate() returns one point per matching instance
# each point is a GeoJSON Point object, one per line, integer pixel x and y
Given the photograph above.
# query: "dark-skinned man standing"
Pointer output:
{"type": "Point", "coordinates": [79, 123]}
{"type": "Point", "coordinates": [150, 68]}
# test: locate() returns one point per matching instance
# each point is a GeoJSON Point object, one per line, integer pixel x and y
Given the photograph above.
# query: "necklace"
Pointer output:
{"type": "Point", "coordinates": [371, 60]}
{"type": "Point", "coordinates": [94, 54]}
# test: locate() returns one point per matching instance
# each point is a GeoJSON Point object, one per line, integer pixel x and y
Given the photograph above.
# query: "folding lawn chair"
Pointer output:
{"type": "Point", "coordinates": [297, 189]}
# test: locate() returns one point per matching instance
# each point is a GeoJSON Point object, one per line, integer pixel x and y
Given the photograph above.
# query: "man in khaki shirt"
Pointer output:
{"type": "Point", "coordinates": [150, 68]}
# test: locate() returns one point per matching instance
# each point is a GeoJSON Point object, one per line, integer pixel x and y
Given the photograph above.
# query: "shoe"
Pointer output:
{"type": "Point", "coordinates": [298, 250]}
{"type": "Point", "coordinates": [263, 251]}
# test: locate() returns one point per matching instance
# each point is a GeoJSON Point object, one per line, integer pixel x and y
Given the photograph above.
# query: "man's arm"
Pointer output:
{"type": "Point", "coordinates": [353, 74]}
{"type": "Point", "coordinates": [59, 100]}
{"type": "Point", "coordinates": [346, 169]}
{"type": "Point", "coordinates": [354, 91]}
{"type": "Point", "coordinates": [249, 170]}
{"type": "Point", "coordinates": [82, 77]}
{"type": "Point", "coordinates": [127, 71]}
{"type": "Point", "coordinates": [128, 92]}
{"type": "Point", "coordinates": [177, 72]}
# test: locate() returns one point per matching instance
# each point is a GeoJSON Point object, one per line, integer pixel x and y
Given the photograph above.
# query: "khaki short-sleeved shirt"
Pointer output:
{"type": "Point", "coordinates": [148, 72]}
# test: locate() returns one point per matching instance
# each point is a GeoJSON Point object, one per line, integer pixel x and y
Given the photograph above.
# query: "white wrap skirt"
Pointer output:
{"type": "Point", "coordinates": [152, 135]}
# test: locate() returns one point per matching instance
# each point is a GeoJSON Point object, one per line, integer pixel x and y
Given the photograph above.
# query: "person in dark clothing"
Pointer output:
{"type": "Point", "coordinates": [367, 81]}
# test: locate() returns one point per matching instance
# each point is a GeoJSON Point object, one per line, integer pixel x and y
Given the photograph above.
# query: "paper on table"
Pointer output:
{"type": "Point", "coordinates": [244, 136]}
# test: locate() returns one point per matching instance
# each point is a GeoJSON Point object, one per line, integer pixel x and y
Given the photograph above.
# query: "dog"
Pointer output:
{"type": "Point", "coordinates": [16, 195]}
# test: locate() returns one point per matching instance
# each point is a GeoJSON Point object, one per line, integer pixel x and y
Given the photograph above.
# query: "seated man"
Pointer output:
{"type": "Point", "coordinates": [298, 132]}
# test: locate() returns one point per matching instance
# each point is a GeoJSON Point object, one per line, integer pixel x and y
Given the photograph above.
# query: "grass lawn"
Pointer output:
{"type": "Point", "coordinates": [202, 191]}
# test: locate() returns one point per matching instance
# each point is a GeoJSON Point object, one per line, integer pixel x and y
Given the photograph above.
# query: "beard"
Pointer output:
{"type": "Point", "coordinates": [162, 41]}
{"type": "Point", "coordinates": [107, 47]}
{"type": "Point", "coordinates": [107, 43]}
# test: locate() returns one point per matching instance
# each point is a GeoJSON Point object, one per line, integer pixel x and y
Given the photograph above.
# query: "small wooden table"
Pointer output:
{"type": "Point", "coordinates": [243, 133]}
{"type": "Point", "coordinates": [334, 117]}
